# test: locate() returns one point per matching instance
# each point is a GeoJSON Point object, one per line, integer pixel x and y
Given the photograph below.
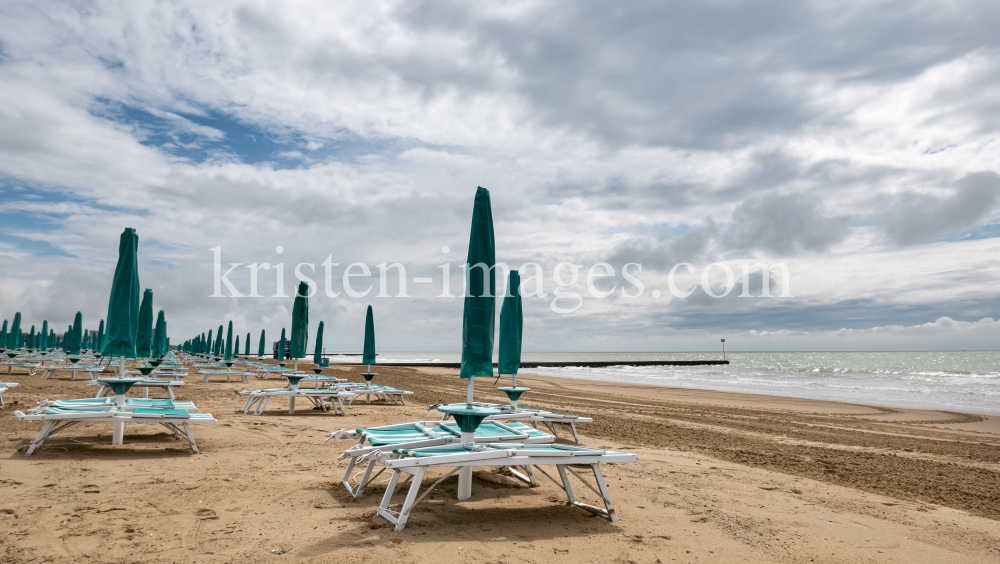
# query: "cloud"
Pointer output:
{"type": "Point", "coordinates": [784, 224]}
{"type": "Point", "coordinates": [913, 217]}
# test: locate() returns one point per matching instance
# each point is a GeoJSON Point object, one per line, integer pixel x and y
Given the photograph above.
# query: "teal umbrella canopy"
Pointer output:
{"type": "Point", "coordinates": [144, 334]}
{"type": "Point", "coordinates": [218, 342]}
{"type": "Point", "coordinates": [166, 339]}
{"type": "Point", "coordinates": [100, 337]}
{"type": "Point", "coordinates": [75, 343]}
{"type": "Point", "coordinates": [480, 304]}
{"type": "Point", "coordinates": [14, 338]}
{"type": "Point", "coordinates": [369, 352]}
{"type": "Point", "coordinates": [511, 324]}
{"type": "Point", "coordinates": [236, 345]}
{"type": "Point", "coordinates": [300, 321]}
{"type": "Point", "coordinates": [31, 337]}
{"type": "Point", "coordinates": [229, 342]}
{"type": "Point", "coordinates": [45, 335]}
{"type": "Point", "coordinates": [157, 346]}
{"type": "Point", "coordinates": [209, 344]}
{"type": "Point", "coordinates": [281, 345]}
{"type": "Point", "coordinates": [260, 348]}
{"type": "Point", "coordinates": [3, 334]}
{"type": "Point", "coordinates": [247, 353]}
{"type": "Point", "coordinates": [318, 352]}
{"type": "Point", "coordinates": [123, 307]}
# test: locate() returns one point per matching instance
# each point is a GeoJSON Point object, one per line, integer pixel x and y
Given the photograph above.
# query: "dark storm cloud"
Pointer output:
{"type": "Point", "coordinates": [917, 218]}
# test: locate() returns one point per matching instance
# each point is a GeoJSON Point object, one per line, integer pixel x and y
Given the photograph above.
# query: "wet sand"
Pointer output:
{"type": "Point", "coordinates": [721, 477]}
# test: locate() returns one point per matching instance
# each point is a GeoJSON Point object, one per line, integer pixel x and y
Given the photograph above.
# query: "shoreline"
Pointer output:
{"type": "Point", "coordinates": [721, 476]}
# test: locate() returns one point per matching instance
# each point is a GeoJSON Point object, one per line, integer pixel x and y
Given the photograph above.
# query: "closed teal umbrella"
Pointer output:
{"type": "Point", "coordinates": [45, 335]}
{"type": "Point", "coordinates": [247, 354]}
{"type": "Point", "coordinates": [209, 342]}
{"type": "Point", "coordinates": [236, 346]}
{"type": "Point", "coordinates": [480, 303]}
{"type": "Point", "coordinates": [144, 334]}
{"type": "Point", "coordinates": [260, 348]}
{"type": "Point", "coordinates": [100, 338]}
{"type": "Point", "coordinates": [166, 338]}
{"type": "Point", "coordinates": [218, 343]}
{"type": "Point", "coordinates": [368, 357]}
{"type": "Point", "coordinates": [511, 325]}
{"type": "Point", "coordinates": [229, 343]}
{"type": "Point", "coordinates": [157, 345]}
{"type": "Point", "coordinates": [478, 318]}
{"type": "Point", "coordinates": [281, 345]}
{"type": "Point", "coordinates": [123, 307]}
{"type": "Point", "coordinates": [14, 338]}
{"type": "Point", "coordinates": [31, 337]}
{"type": "Point", "coordinates": [318, 351]}
{"type": "Point", "coordinates": [3, 335]}
{"type": "Point", "coordinates": [74, 345]}
{"type": "Point", "coordinates": [300, 323]}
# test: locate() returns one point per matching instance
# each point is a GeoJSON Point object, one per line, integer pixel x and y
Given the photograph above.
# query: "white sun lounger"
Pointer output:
{"type": "Point", "coordinates": [416, 461]}
{"type": "Point", "coordinates": [56, 420]}
{"type": "Point", "coordinates": [131, 404]}
{"type": "Point", "coordinates": [257, 399]}
{"type": "Point", "coordinates": [31, 366]}
{"type": "Point", "coordinates": [91, 371]}
{"type": "Point", "coordinates": [146, 384]}
{"type": "Point", "coordinates": [4, 386]}
{"type": "Point", "coordinates": [245, 376]}
{"type": "Point", "coordinates": [423, 434]}
{"type": "Point", "coordinates": [535, 416]}
{"type": "Point", "coordinates": [383, 393]}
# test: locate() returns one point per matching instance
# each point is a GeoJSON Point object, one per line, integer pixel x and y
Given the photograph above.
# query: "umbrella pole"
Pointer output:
{"type": "Point", "coordinates": [465, 473]}
{"type": "Point", "coordinates": [118, 431]}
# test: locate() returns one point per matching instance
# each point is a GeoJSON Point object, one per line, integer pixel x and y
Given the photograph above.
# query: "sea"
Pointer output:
{"type": "Point", "coordinates": [949, 380]}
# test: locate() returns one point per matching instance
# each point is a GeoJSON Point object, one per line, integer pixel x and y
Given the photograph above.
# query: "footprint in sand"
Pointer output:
{"type": "Point", "coordinates": [206, 514]}
{"type": "Point", "coordinates": [91, 488]}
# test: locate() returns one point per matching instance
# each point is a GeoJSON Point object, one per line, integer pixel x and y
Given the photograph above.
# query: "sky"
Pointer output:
{"type": "Point", "coordinates": [636, 155]}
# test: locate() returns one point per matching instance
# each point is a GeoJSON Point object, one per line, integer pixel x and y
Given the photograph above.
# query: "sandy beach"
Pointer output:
{"type": "Point", "coordinates": [721, 477]}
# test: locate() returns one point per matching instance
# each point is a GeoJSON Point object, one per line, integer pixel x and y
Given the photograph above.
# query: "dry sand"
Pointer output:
{"type": "Point", "coordinates": [721, 477]}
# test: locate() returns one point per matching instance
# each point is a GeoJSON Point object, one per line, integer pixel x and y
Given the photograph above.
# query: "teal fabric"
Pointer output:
{"type": "Point", "coordinates": [75, 343]}
{"type": "Point", "coordinates": [260, 348]}
{"type": "Point", "coordinates": [100, 337]}
{"type": "Point", "coordinates": [300, 321]}
{"type": "Point", "coordinates": [236, 346]}
{"type": "Point", "coordinates": [144, 334]}
{"type": "Point", "coordinates": [248, 345]}
{"type": "Point", "coordinates": [318, 352]}
{"type": "Point", "coordinates": [158, 338]}
{"type": "Point", "coordinates": [3, 334]}
{"type": "Point", "coordinates": [229, 342]}
{"type": "Point", "coordinates": [369, 352]}
{"type": "Point", "coordinates": [281, 345]}
{"type": "Point", "coordinates": [14, 337]}
{"type": "Point", "coordinates": [511, 325]}
{"type": "Point", "coordinates": [123, 307]}
{"type": "Point", "coordinates": [480, 304]}
{"type": "Point", "coordinates": [45, 335]}
{"type": "Point", "coordinates": [217, 350]}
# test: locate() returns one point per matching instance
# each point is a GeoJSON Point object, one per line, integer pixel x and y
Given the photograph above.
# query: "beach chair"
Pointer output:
{"type": "Point", "coordinates": [31, 366]}
{"type": "Point", "coordinates": [245, 376]}
{"type": "Point", "coordinates": [383, 393]}
{"type": "Point", "coordinates": [92, 371]}
{"type": "Point", "coordinates": [416, 461]}
{"type": "Point", "coordinates": [131, 404]}
{"type": "Point", "coordinates": [257, 399]}
{"type": "Point", "coordinates": [423, 434]}
{"type": "Point", "coordinates": [535, 416]}
{"type": "Point", "coordinates": [146, 384]}
{"type": "Point", "coordinates": [4, 386]}
{"type": "Point", "coordinates": [57, 420]}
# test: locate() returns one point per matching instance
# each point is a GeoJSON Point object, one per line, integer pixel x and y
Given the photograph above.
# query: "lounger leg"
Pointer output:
{"type": "Point", "coordinates": [364, 480]}
{"type": "Point", "coordinates": [291, 404]}
{"type": "Point", "coordinates": [599, 478]}
{"type": "Point", "coordinates": [403, 399]}
{"type": "Point", "coordinates": [170, 392]}
{"type": "Point", "coordinates": [346, 480]}
{"type": "Point", "coordinates": [566, 485]}
{"type": "Point", "coordinates": [411, 497]}
{"type": "Point", "coordinates": [572, 427]}
{"type": "Point", "coordinates": [145, 392]}
{"type": "Point", "coordinates": [383, 508]}
{"type": "Point", "coordinates": [41, 437]}
{"type": "Point", "coordinates": [194, 446]}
